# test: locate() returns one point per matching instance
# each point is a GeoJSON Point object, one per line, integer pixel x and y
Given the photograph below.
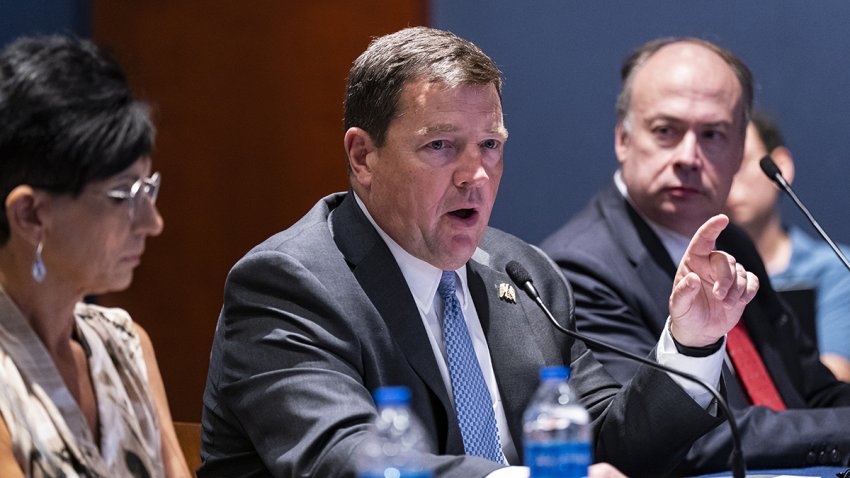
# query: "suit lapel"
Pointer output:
{"type": "Point", "coordinates": [516, 358]}
{"type": "Point", "coordinates": [644, 251]}
{"type": "Point", "coordinates": [381, 279]}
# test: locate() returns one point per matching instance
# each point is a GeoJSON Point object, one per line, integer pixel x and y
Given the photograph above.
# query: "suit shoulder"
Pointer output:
{"type": "Point", "coordinates": [307, 234]}
{"type": "Point", "coordinates": [586, 233]}
{"type": "Point", "coordinates": [307, 244]}
{"type": "Point", "coordinates": [496, 240]}
{"type": "Point", "coordinates": [500, 244]}
{"type": "Point", "coordinates": [497, 248]}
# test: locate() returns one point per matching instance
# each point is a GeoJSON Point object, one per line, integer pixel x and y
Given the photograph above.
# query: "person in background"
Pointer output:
{"type": "Point", "coordinates": [793, 259]}
{"type": "Point", "coordinates": [682, 114]}
{"type": "Point", "coordinates": [80, 391]}
{"type": "Point", "coordinates": [397, 282]}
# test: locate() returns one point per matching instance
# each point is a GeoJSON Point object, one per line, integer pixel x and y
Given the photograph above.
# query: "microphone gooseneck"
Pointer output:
{"type": "Point", "coordinates": [772, 171]}
{"type": "Point", "coordinates": [522, 278]}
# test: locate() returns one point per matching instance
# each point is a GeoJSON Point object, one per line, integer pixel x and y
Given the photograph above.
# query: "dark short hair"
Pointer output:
{"type": "Point", "coordinates": [639, 57]}
{"type": "Point", "coordinates": [67, 117]}
{"type": "Point", "coordinates": [768, 130]}
{"type": "Point", "coordinates": [379, 74]}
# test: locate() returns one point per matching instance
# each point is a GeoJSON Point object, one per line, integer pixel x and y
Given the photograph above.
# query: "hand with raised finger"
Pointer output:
{"type": "Point", "coordinates": [710, 289]}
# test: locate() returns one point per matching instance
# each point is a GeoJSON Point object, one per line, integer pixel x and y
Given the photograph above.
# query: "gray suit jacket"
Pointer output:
{"type": "Point", "coordinates": [319, 315]}
{"type": "Point", "coordinates": [622, 277]}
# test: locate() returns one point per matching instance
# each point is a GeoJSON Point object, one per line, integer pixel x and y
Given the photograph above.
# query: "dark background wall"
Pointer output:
{"type": "Point", "coordinates": [27, 17]}
{"type": "Point", "coordinates": [248, 100]}
{"type": "Point", "coordinates": [561, 62]}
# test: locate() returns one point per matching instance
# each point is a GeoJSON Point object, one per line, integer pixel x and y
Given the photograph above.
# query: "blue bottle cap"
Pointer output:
{"type": "Point", "coordinates": [559, 372]}
{"type": "Point", "coordinates": [391, 396]}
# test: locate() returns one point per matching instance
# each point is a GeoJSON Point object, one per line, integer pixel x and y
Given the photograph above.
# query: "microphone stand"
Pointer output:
{"type": "Point", "coordinates": [772, 172]}
{"type": "Point", "coordinates": [522, 279]}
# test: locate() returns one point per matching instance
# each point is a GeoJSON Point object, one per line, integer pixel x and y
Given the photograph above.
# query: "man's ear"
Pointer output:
{"type": "Point", "coordinates": [621, 141]}
{"type": "Point", "coordinates": [22, 213]}
{"type": "Point", "coordinates": [782, 157]}
{"type": "Point", "coordinates": [360, 150]}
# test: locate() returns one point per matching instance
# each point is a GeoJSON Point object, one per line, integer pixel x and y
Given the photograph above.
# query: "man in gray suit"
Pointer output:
{"type": "Point", "coordinates": [346, 300]}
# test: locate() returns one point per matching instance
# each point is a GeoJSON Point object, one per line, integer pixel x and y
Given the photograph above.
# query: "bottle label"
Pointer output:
{"type": "Point", "coordinates": [395, 473]}
{"type": "Point", "coordinates": [558, 460]}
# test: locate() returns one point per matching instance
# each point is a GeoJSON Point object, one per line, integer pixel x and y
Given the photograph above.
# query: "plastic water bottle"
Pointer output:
{"type": "Point", "coordinates": [395, 450]}
{"type": "Point", "coordinates": [556, 429]}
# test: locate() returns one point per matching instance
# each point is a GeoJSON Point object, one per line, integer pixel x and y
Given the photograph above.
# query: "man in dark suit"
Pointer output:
{"type": "Point", "coordinates": [346, 300]}
{"type": "Point", "coordinates": [679, 139]}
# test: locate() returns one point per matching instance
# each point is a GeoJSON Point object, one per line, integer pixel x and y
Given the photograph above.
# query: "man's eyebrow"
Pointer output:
{"type": "Point", "coordinates": [663, 117]}
{"type": "Point", "coordinates": [501, 130]}
{"type": "Point", "coordinates": [450, 128]}
{"type": "Point", "coordinates": [714, 124]}
{"type": "Point", "coordinates": [437, 128]}
{"type": "Point", "coordinates": [675, 120]}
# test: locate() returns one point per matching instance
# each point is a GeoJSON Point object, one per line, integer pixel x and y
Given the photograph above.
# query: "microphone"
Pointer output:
{"type": "Point", "coordinates": [522, 278]}
{"type": "Point", "coordinates": [772, 171]}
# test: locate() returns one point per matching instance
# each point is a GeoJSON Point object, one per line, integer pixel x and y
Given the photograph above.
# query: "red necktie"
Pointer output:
{"type": "Point", "coordinates": [751, 369]}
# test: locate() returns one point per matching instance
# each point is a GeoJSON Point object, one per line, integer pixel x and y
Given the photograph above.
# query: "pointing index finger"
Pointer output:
{"type": "Point", "coordinates": [703, 241]}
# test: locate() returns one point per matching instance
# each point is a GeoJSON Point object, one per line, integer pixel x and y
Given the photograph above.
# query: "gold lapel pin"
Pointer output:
{"type": "Point", "coordinates": [507, 293]}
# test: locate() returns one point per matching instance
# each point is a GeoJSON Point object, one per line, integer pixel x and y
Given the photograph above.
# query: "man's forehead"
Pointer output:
{"type": "Point", "coordinates": [442, 101]}
{"type": "Point", "coordinates": [691, 81]}
{"type": "Point", "coordinates": [691, 64]}
{"type": "Point", "coordinates": [420, 91]}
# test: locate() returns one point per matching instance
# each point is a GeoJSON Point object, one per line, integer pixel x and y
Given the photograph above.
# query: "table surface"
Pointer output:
{"type": "Point", "coordinates": [819, 471]}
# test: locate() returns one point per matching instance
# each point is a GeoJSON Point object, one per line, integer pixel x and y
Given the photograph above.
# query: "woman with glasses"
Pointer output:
{"type": "Point", "coordinates": [80, 391]}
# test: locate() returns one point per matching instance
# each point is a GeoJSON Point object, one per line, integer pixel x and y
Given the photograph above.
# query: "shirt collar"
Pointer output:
{"type": "Point", "coordinates": [676, 244]}
{"type": "Point", "coordinates": [422, 278]}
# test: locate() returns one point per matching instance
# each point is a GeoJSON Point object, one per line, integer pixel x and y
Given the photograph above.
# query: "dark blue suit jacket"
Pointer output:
{"type": "Point", "coordinates": [622, 277]}
{"type": "Point", "coordinates": [319, 315]}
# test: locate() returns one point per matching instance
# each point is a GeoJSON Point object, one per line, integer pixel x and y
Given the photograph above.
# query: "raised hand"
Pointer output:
{"type": "Point", "coordinates": [710, 289]}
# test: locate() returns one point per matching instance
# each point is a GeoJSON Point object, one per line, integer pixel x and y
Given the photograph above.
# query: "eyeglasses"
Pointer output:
{"type": "Point", "coordinates": [148, 187]}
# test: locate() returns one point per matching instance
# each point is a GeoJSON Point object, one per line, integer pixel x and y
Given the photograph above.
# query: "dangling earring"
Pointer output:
{"type": "Point", "coordinates": [38, 269]}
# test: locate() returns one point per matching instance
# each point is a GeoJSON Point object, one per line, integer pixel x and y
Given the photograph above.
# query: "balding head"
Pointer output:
{"type": "Point", "coordinates": [681, 135]}
{"type": "Point", "coordinates": [640, 56]}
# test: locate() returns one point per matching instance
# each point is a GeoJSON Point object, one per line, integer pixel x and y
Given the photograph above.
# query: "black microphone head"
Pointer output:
{"type": "Point", "coordinates": [770, 168]}
{"type": "Point", "coordinates": [517, 273]}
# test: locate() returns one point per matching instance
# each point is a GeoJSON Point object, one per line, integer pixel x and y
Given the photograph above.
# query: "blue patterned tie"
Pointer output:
{"type": "Point", "coordinates": [473, 404]}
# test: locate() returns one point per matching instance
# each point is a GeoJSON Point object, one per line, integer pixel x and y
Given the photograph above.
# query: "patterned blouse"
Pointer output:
{"type": "Point", "coordinates": [50, 435]}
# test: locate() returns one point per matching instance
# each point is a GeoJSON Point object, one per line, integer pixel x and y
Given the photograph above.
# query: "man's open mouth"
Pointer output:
{"type": "Point", "coordinates": [463, 213]}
